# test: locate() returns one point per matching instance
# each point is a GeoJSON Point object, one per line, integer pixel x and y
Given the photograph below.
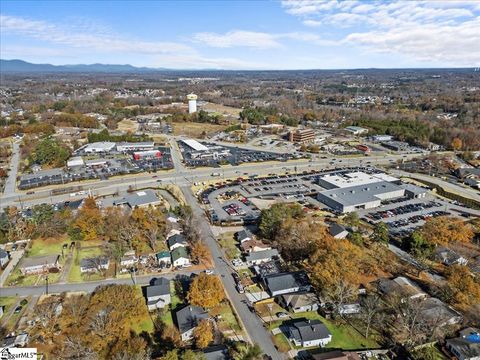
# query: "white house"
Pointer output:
{"type": "Point", "coordinates": [309, 333]}
{"type": "Point", "coordinates": [180, 257]}
{"type": "Point", "coordinates": [158, 294]}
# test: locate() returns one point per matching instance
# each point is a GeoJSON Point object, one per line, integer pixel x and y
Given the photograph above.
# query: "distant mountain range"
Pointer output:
{"type": "Point", "coordinates": [26, 67]}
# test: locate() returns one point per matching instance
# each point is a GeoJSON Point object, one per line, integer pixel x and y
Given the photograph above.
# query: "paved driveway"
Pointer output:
{"type": "Point", "coordinates": [15, 257]}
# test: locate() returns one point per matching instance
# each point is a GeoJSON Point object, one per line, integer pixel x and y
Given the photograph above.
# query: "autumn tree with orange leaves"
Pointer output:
{"type": "Point", "coordinates": [206, 291]}
{"type": "Point", "coordinates": [443, 230]}
{"type": "Point", "coordinates": [203, 334]}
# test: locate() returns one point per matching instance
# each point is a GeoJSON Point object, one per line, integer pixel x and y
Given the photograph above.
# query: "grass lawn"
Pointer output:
{"type": "Point", "coordinates": [228, 320]}
{"type": "Point", "coordinates": [7, 303]}
{"type": "Point", "coordinates": [166, 315]}
{"type": "Point", "coordinates": [49, 246]}
{"type": "Point", "coordinates": [281, 342]}
{"type": "Point", "coordinates": [229, 244]}
{"type": "Point", "coordinates": [344, 336]}
{"type": "Point", "coordinates": [430, 352]}
{"type": "Point", "coordinates": [75, 275]}
{"type": "Point", "coordinates": [263, 309]}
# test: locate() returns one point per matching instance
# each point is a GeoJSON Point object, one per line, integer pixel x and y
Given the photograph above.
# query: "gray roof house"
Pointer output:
{"type": "Point", "coordinates": [287, 283]}
{"type": "Point", "coordinates": [436, 313]}
{"type": "Point", "coordinates": [309, 333]}
{"type": "Point", "coordinates": [187, 320]}
{"type": "Point", "coordinates": [94, 264]}
{"type": "Point", "coordinates": [300, 302]}
{"type": "Point", "coordinates": [449, 257]}
{"type": "Point", "coordinates": [142, 198]}
{"type": "Point", "coordinates": [244, 235]}
{"type": "Point", "coordinates": [39, 264]}
{"type": "Point", "coordinates": [338, 231]}
{"type": "Point", "coordinates": [467, 345]}
{"type": "Point", "coordinates": [4, 258]}
{"type": "Point", "coordinates": [158, 294]}
{"type": "Point", "coordinates": [258, 257]}
{"type": "Point", "coordinates": [400, 286]}
{"type": "Point", "coordinates": [216, 352]}
{"type": "Point", "coordinates": [176, 241]}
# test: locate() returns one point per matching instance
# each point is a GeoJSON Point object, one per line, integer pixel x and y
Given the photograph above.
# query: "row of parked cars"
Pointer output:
{"type": "Point", "coordinates": [415, 219]}
{"type": "Point", "coordinates": [404, 209]}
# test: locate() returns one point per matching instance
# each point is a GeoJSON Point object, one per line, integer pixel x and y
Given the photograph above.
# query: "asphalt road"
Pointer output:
{"type": "Point", "coordinates": [12, 174]}
{"type": "Point", "coordinates": [88, 286]}
{"type": "Point", "coordinates": [250, 321]}
{"type": "Point", "coordinates": [182, 177]}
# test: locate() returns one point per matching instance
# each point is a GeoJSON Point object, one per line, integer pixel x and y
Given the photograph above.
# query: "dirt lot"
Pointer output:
{"type": "Point", "coordinates": [127, 125]}
{"type": "Point", "coordinates": [195, 130]}
{"type": "Point", "coordinates": [222, 109]}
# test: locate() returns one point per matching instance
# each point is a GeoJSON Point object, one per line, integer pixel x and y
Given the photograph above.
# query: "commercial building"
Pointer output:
{"type": "Point", "coordinates": [137, 146]}
{"type": "Point", "coordinates": [380, 138]}
{"type": "Point", "coordinates": [142, 198]}
{"type": "Point", "coordinates": [301, 136]}
{"type": "Point", "coordinates": [366, 196]}
{"type": "Point", "coordinates": [356, 178]}
{"type": "Point", "coordinates": [356, 130]}
{"type": "Point", "coordinates": [75, 161]}
{"type": "Point", "coordinates": [148, 154]}
{"type": "Point", "coordinates": [98, 147]}
{"type": "Point", "coordinates": [192, 103]}
{"type": "Point", "coordinates": [195, 145]}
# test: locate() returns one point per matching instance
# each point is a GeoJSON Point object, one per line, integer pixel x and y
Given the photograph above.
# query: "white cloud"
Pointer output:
{"type": "Point", "coordinates": [238, 38]}
{"type": "Point", "coordinates": [257, 40]}
{"type": "Point", "coordinates": [445, 32]}
{"type": "Point", "coordinates": [70, 36]}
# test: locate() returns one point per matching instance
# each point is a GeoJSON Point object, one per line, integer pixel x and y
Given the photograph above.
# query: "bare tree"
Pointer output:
{"type": "Point", "coordinates": [152, 234]}
{"type": "Point", "coordinates": [371, 312]}
{"type": "Point", "coordinates": [75, 349]}
{"type": "Point", "coordinates": [100, 322]}
{"type": "Point", "coordinates": [343, 293]}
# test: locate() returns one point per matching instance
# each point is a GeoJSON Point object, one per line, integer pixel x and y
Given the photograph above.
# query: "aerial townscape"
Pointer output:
{"type": "Point", "coordinates": [243, 190]}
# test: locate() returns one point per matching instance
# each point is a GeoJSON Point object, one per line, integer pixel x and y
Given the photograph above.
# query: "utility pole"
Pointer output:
{"type": "Point", "coordinates": [46, 285]}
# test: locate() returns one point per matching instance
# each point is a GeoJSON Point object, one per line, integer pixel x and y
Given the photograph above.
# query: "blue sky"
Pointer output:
{"type": "Point", "coordinates": [289, 34]}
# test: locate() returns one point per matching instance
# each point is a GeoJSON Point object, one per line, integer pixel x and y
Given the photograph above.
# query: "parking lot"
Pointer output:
{"type": "Point", "coordinates": [403, 215]}
{"type": "Point", "coordinates": [97, 168]}
{"type": "Point", "coordinates": [217, 155]}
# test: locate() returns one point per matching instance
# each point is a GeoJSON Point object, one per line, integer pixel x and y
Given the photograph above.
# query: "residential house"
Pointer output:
{"type": "Point", "coordinates": [158, 294]}
{"type": "Point", "coordinates": [244, 235]}
{"type": "Point", "coordinates": [216, 352]}
{"type": "Point", "coordinates": [90, 265]}
{"type": "Point", "coordinates": [467, 345]}
{"type": "Point", "coordinates": [176, 241]}
{"type": "Point", "coordinates": [299, 302]}
{"type": "Point", "coordinates": [349, 309]}
{"type": "Point", "coordinates": [258, 257]}
{"type": "Point", "coordinates": [39, 264]}
{"type": "Point", "coordinates": [400, 286]}
{"type": "Point", "coordinates": [336, 355]}
{"type": "Point", "coordinates": [287, 283]}
{"type": "Point", "coordinates": [174, 231]}
{"type": "Point", "coordinates": [309, 333]}
{"type": "Point", "coordinates": [338, 231]}
{"type": "Point", "coordinates": [253, 246]}
{"type": "Point", "coordinates": [180, 257]}
{"type": "Point", "coordinates": [164, 259]}
{"type": "Point", "coordinates": [4, 258]}
{"type": "Point", "coordinates": [128, 260]}
{"type": "Point", "coordinates": [436, 313]}
{"type": "Point", "coordinates": [21, 340]}
{"type": "Point", "coordinates": [449, 257]}
{"type": "Point", "coordinates": [187, 320]}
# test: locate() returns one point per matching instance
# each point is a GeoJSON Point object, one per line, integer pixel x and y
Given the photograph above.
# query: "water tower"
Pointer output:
{"type": "Point", "coordinates": [192, 103]}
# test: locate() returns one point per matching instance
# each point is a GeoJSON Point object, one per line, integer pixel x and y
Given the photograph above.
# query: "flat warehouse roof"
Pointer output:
{"type": "Point", "coordinates": [360, 194]}
{"type": "Point", "coordinates": [195, 145]}
{"type": "Point", "coordinates": [355, 179]}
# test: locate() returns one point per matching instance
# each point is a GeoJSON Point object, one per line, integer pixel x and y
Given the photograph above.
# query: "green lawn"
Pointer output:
{"type": "Point", "coordinates": [49, 246]}
{"type": "Point", "coordinates": [166, 314]}
{"type": "Point", "coordinates": [75, 275]}
{"type": "Point", "coordinates": [7, 303]}
{"type": "Point", "coordinates": [229, 244]}
{"type": "Point", "coordinates": [344, 336]}
{"type": "Point", "coordinates": [227, 319]}
{"type": "Point", "coordinates": [281, 342]}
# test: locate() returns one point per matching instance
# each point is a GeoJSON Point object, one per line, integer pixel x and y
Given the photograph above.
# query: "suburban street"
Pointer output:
{"type": "Point", "coordinates": [12, 174]}
{"type": "Point", "coordinates": [250, 321]}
